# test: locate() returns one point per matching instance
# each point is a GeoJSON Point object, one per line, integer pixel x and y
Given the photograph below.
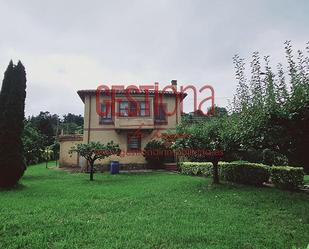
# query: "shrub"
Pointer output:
{"type": "Point", "coordinates": [285, 177]}
{"type": "Point", "coordinates": [240, 162]}
{"type": "Point", "coordinates": [245, 173]}
{"type": "Point", "coordinates": [281, 160]}
{"type": "Point", "coordinates": [94, 151]}
{"type": "Point", "coordinates": [196, 168]}
{"type": "Point", "coordinates": [238, 171]}
{"type": "Point", "coordinates": [268, 157]}
{"type": "Point", "coordinates": [156, 153]}
{"type": "Point", "coordinates": [271, 157]}
{"type": "Point", "coordinates": [250, 155]}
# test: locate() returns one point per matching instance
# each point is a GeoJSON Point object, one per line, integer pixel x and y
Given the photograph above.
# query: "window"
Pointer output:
{"type": "Point", "coordinates": [134, 109]}
{"type": "Point", "coordinates": [160, 114]}
{"type": "Point", "coordinates": [144, 109]}
{"type": "Point", "coordinates": [107, 114]}
{"type": "Point", "coordinates": [124, 109]}
{"type": "Point", "coordinates": [134, 142]}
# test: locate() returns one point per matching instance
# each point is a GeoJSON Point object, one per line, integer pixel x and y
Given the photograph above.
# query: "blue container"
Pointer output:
{"type": "Point", "coordinates": [114, 167]}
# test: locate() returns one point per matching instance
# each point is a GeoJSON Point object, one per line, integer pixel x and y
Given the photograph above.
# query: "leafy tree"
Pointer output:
{"type": "Point", "coordinates": [33, 144]}
{"type": "Point", "coordinates": [47, 125]}
{"type": "Point", "coordinates": [72, 124]}
{"type": "Point", "coordinates": [72, 118]}
{"type": "Point", "coordinates": [269, 119]}
{"type": "Point", "coordinates": [51, 125]}
{"type": "Point", "coordinates": [242, 97]}
{"type": "Point", "coordinates": [282, 94]}
{"type": "Point", "coordinates": [12, 105]}
{"type": "Point", "coordinates": [206, 142]}
{"type": "Point", "coordinates": [256, 86]}
{"type": "Point", "coordinates": [55, 147]}
{"type": "Point", "coordinates": [291, 65]}
{"type": "Point", "coordinates": [277, 116]}
{"type": "Point", "coordinates": [270, 95]}
{"type": "Point", "coordinates": [70, 128]}
{"type": "Point", "coordinates": [217, 111]}
{"type": "Point", "coordinates": [42, 131]}
{"type": "Point", "coordinates": [95, 151]}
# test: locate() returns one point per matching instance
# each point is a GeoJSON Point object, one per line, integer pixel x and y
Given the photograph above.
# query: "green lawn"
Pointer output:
{"type": "Point", "coordinates": [56, 209]}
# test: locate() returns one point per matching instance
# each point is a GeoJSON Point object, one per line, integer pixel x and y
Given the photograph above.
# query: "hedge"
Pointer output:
{"type": "Point", "coordinates": [285, 177]}
{"type": "Point", "coordinates": [245, 173]}
{"type": "Point", "coordinates": [238, 172]}
{"type": "Point", "coordinates": [196, 168]}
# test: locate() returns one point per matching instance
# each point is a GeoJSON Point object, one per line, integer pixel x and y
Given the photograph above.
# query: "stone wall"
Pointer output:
{"type": "Point", "coordinates": [66, 142]}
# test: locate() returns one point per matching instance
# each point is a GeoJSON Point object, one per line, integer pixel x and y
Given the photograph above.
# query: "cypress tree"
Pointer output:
{"type": "Point", "coordinates": [12, 105]}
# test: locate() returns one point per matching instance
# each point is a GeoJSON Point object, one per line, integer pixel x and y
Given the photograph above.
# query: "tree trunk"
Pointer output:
{"type": "Point", "coordinates": [91, 171]}
{"type": "Point", "coordinates": [215, 173]}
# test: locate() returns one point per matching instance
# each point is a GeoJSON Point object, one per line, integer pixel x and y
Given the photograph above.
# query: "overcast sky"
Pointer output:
{"type": "Point", "coordinates": [71, 45]}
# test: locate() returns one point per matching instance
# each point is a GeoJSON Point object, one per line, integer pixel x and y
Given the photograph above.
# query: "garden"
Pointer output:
{"type": "Point", "coordinates": [52, 208]}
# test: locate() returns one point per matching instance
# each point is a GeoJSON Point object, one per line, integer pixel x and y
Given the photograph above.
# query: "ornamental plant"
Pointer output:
{"type": "Point", "coordinates": [94, 151]}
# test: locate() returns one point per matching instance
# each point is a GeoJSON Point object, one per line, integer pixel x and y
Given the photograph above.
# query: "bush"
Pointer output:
{"type": "Point", "coordinates": [281, 160]}
{"type": "Point", "coordinates": [250, 155]}
{"type": "Point", "coordinates": [274, 158]}
{"type": "Point", "coordinates": [245, 173]}
{"type": "Point", "coordinates": [238, 171]}
{"type": "Point", "coordinates": [240, 162]}
{"type": "Point", "coordinates": [268, 157]}
{"type": "Point", "coordinates": [196, 168]}
{"type": "Point", "coordinates": [156, 153]}
{"type": "Point", "coordinates": [285, 177]}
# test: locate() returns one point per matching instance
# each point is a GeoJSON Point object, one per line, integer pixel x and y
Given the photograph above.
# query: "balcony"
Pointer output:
{"type": "Point", "coordinates": [144, 123]}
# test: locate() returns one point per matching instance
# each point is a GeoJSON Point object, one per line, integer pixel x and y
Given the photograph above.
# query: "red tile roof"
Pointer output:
{"type": "Point", "coordinates": [83, 93]}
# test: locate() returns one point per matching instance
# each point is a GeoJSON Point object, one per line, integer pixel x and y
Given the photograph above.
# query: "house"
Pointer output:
{"type": "Point", "coordinates": [131, 121]}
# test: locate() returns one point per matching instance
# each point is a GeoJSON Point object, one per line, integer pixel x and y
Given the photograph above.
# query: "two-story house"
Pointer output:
{"type": "Point", "coordinates": [130, 121]}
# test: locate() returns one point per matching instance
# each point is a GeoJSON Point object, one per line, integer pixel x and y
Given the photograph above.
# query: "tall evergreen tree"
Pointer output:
{"type": "Point", "coordinates": [12, 105]}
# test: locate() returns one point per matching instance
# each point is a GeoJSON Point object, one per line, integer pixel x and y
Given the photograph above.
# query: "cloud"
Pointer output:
{"type": "Point", "coordinates": [71, 45]}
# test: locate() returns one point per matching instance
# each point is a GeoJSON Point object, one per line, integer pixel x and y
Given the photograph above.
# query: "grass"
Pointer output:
{"type": "Point", "coordinates": [55, 209]}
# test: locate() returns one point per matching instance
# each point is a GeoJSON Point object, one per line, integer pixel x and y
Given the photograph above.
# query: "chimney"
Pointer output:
{"type": "Point", "coordinates": [174, 84]}
{"type": "Point", "coordinates": [156, 86]}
